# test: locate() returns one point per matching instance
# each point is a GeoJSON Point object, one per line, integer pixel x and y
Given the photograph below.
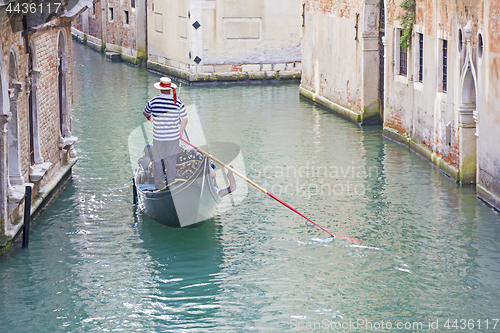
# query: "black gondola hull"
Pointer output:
{"type": "Point", "coordinates": [188, 204]}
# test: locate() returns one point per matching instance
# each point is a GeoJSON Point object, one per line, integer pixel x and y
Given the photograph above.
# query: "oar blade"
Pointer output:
{"type": "Point", "coordinates": [355, 240]}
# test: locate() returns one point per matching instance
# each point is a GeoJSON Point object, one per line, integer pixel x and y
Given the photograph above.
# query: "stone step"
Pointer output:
{"type": "Point", "coordinates": [113, 56]}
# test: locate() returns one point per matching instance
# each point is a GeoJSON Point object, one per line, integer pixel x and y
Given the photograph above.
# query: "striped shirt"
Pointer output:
{"type": "Point", "coordinates": [166, 116]}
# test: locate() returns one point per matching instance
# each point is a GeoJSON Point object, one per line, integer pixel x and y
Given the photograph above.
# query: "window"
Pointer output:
{"type": "Point", "coordinates": [480, 46]}
{"type": "Point", "coordinates": [445, 65]}
{"type": "Point", "coordinates": [132, 3]}
{"type": "Point", "coordinates": [420, 67]}
{"type": "Point", "coordinates": [126, 17]}
{"type": "Point", "coordinates": [303, 15]}
{"type": "Point", "coordinates": [158, 22]}
{"type": "Point", "coordinates": [110, 14]}
{"type": "Point", "coordinates": [93, 9]}
{"type": "Point", "coordinates": [460, 41]}
{"type": "Point", "coordinates": [403, 57]}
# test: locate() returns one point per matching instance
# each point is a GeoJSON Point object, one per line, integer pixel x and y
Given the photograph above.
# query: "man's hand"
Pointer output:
{"type": "Point", "coordinates": [183, 126]}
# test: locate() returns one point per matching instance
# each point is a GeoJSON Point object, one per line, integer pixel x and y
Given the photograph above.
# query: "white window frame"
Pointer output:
{"type": "Point", "coordinates": [111, 14]}
{"type": "Point", "coordinates": [398, 77]}
{"type": "Point", "coordinates": [126, 14]}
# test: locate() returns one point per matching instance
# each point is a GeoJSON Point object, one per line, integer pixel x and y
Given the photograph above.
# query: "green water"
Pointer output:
{"type": "Point", "coordinates": [430, 251]}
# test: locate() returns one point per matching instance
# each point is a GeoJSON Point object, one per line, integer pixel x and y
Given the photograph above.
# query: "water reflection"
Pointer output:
{"type": "Point", "coordinates": [185, 278]}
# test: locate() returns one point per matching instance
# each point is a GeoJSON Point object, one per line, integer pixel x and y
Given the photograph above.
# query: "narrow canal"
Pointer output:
{"type": "Point", "coordinates": [430, 251]}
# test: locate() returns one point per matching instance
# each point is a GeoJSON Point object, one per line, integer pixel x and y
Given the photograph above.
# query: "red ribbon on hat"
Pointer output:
{"type": "Point", "coordinates": [168, 85]}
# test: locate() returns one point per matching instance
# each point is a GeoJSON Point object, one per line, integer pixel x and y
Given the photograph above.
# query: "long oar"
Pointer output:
{"type": "Point", "coordinates": [267, 192]}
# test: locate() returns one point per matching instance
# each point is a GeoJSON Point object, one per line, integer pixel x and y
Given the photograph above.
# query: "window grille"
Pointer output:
{"type": "Point", "coordinates": [420, 58]}
{"type": "Point", "coordinates": [403, 58]}
{"type": "Point", "coordinates": [445, 65]}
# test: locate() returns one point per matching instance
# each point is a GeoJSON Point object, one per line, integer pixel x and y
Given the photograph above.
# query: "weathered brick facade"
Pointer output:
{"type": "Point", "coordinates": [340, 57]}
{"type": "Point", "coordinates": [42, 73]}
{"type": "Point", "coordinates": [445, 106]}
{"type": "Point", "coordinates": [114, 26]}
{"type": "Point", "coordinates": [440, 97]}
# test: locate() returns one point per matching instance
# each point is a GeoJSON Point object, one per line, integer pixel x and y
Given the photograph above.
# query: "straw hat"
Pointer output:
{"type": "Point", "coordinates": [165, 84]}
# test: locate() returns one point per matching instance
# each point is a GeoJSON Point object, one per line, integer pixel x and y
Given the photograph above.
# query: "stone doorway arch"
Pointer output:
{"type": "Point", "coordinates": [467, 113]}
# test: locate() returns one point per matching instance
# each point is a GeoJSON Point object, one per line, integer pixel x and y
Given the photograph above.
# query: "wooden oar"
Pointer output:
{"type": "Point", "coordinates": [268, 193]}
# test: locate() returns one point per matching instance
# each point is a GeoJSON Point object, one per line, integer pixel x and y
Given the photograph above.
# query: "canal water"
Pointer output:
{"type": "Point", "coordinates": [429, 258]}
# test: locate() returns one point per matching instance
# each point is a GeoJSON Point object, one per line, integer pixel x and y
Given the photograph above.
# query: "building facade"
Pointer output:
{"type": "Point", "coordinates": [199, 40]}
{"type": "Point", "coordinates": [442, 94]}
{"type": "Point", "coordinates": [439, 96]}
{"type": "Point", "coordinates": [36, 141]}
{"type": "Point", "coordinates": [212, 40]}
{"type": "Point", "coordinates": [341, 57]}
{"type": "Point", "coordinates": [114, 26]}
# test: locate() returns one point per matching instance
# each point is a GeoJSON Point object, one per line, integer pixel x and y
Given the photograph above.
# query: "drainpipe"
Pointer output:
{"type": "Point", "coordinates": [104, 19]}
{"type": "Point", "coordinates": [3, 174]}
{"type": "Point", "coordinates": [386, 65]}
{"type": "Point", "coordinates": [146, 31]}
{"type": "Point", "coordinates": [25, 33]}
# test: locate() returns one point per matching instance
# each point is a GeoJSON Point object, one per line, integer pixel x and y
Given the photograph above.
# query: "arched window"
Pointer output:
{"type": "Point", "coordinates": [480, 45]}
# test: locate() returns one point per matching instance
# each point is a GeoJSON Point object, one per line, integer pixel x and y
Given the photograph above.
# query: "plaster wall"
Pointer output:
{"type": "Point", "coordinates": [458, 129]}
{"type": "Point", "coordinates": [341, 57]}
{"type": "Point", "coordinates": [419, 109]}
{"type": "Point", "coordinates": [425, 111]}
{"type": "Point", "coordinates": [488, 151]}
{"type": "Point", "coordinates": [202, 40]}
{"type": "Point", "coordinates": [167, 30]}
{"type": "Point", "coordinates": [331, 65]}
{"type": "Point", "coordinates": [252, 32]}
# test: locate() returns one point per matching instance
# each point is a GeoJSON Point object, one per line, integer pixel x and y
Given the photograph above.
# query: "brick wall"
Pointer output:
{"type": "Point", "coordinates": [95, 20]}
{"type": "Point", "coordinates": [339, 8]}
{"type": "Point", "coordinates": [119, 36]}
{"type": "Point", "coordinates": [45, 44]}
{"type": "Point", "coordinates": [120, 33]}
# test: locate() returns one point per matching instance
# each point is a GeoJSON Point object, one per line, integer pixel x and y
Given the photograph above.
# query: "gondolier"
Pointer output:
{"type": "Point", "coordinates": [168, 115]}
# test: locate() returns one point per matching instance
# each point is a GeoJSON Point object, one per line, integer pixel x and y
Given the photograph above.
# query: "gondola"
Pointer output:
{"type": "Point", "coordinates": [189, 201]}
